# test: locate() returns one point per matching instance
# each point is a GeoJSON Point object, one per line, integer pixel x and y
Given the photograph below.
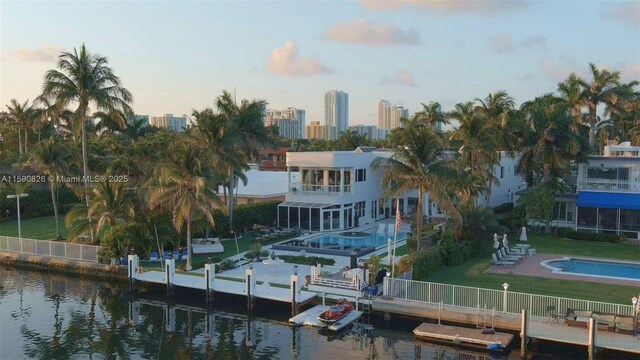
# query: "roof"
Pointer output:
{"type": "Point", "coordinates": [264, 184]}
{"type": "Point", "coordinates": [625, 201]}
{"type": "Point", "coordinates": [364, 149]}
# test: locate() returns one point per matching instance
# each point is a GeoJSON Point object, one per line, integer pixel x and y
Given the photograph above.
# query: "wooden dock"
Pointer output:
{"type": "Point", "coordinates": [461, 335]}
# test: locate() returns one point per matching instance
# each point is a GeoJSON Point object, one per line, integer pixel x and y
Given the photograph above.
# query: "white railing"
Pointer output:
{"type": "Point", "coordinates": [608, 185]}
{"type": "Point", "coordinates": [333, 190]}
{"type": "Point", "coordinates": [354, 282]}
{"type": "Point", "coordinates": [505, 301]}
{"type": "Point", "coordinates": [57, 249]}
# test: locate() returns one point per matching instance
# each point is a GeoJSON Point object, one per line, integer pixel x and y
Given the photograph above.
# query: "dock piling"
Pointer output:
{"type": "Point", "coordinates": [294, 281]}
{"type": "Point", "coordinates": [591, 345]}
{"type": "Point", "coordinates": [209, 277]}
{"type": "Point", "coordinates": [170, 272]}
{"type": "Point", "coordinates": [249, 282]}
{"type": "Point", "coordinates": [523, 333]}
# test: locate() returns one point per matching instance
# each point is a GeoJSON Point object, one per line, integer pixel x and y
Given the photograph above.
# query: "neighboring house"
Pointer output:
{"type": "Point", "coordinates": [337, 190]}
{"type": "Point", "coordinates": [508, 184]}
{"type": "Point", "coordinates": [274, 160]}
{"type": "Point", "coordinates": [261, 186]}
{"type": "Point", "coordinates": [607, 197]}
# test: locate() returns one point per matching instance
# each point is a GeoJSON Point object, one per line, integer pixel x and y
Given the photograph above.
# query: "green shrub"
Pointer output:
{"type": "Point", "coordinates": [307, 260]}
{"type": "Point", "coordinates": [503, 208]}
{"type": "Point", "coordinates": [435, 258]}
{"type": "Point", "coordinates": [579, 235]}
{"type": "Point", "coordinates": [244, 217]}
{"type": "Point", "coordinates": [256, 251]}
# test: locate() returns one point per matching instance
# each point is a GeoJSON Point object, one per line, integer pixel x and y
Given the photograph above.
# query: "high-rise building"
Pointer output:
{"type": "Point", "coordinates": [317, 131]}
{"type": "Point", "coordinates": [290, 121]}
{"type": "Point", "coordinates": [175, 123]}
{"type": "Point", "coordinates": [370, 131]}
{"type": "Point", "coordinates": [389, 115]}
{"type": "Point", "coordinates": [336, 110]}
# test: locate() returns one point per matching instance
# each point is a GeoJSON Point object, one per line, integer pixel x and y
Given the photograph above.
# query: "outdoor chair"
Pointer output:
{"type": "Point", "coordinates": [175, 255]}
{"type": "Point", "coordinates": [153, 256]}
{"type": "Point", "coordinates": [515, 251]}
{"type": "Point", "coordinates": [501, 263]}
{"type": "Point", "coordinates": [184, 253]}
{"type": "Point", "coordinates": [512, 257]}
{"type": "Point", "coordinates": [552, 314]}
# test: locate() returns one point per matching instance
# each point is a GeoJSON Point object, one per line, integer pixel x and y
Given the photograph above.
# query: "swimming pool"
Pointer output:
{"type": "Point", "coordinates": [343, 244]}
{"type": "Point", "coordinates": [609, 269]}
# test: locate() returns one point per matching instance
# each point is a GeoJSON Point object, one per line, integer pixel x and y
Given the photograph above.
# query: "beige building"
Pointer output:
{"type": "Point", "coordinates": [317, 131]}
{"type": "Point", "coordinates": [168, 121]}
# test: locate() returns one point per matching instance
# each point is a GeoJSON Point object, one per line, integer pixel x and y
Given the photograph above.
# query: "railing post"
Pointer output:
{"type": "Point", "coordinates": [453, 296]}
{"type": "Point", "coordinates": [50, 253]}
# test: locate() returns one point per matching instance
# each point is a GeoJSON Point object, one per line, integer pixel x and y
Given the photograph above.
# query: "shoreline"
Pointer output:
{"type": "Point", "coordinates": [64, 266]}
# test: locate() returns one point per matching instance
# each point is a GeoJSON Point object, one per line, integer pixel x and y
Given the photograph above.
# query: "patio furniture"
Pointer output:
{"type": "Point", "coordinates": [501, 263]}
{"type": "Point", "coordinates": [503, 256]}
{"type": "Point", "coordinates": [153, 256]}
{"type": "Point", "coordinates": [552, 315]}
{"type": "Point", "coordinates": [531, 251]}
{"type": "Point", "coordinates": [624, 325]}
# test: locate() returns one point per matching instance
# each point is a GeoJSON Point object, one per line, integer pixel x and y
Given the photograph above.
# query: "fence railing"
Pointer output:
{"type": "Point", "coordinates": [608, 184]}
{"type": "Point", "coordinates": [501, 300]}
{"type": "Point", "coordinates": [55, 249]}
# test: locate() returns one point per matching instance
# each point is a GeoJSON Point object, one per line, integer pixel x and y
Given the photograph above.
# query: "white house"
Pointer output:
{"type": "Point", "coordinates": [338, 190]}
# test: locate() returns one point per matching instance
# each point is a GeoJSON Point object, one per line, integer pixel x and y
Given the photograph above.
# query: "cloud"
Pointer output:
{"type": "Point", "coordinates": [558, 71]}
{"type": "Point", "coordinates": [40, 54]}
{"type": "Point", "coordinates": [501, 43]}
{"type": "Point", "coordinates": [537, 41]}
{"type": "Point", "coordinates": [285, 61]}
{"type": "Point", "coordinates": [401, 77]}
{"type": "Point", "coordinates": [488, 8]}
{"type": "Point", "coordinates": [362, 31]}
{"type": "Point", "coordinates": [630, 72]}
{"type": "Point", "coordinates": [627, 14]}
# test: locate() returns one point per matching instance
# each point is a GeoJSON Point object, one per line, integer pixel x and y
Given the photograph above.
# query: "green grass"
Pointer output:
{"type": "Point", "coordinates": [472, 273]}
{"type": "Point", "coordinates": [41, 228]}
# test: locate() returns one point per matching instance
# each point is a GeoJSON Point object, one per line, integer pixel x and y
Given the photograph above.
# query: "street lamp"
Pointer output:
{"type": "Point", "coordinates": [17, 197]}
{"type": "Point", "coordinates": [505, 286]}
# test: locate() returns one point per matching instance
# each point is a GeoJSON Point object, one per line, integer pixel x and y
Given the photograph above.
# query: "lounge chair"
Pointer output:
{"type": "Point", "coordinates": [176, 255]}
{"type": "Point", "coordinates": [515, 251]}
{"type": "Point", "coordinates": [381, 228]}
{"type": "Point", "coordinates": [153, 256]}
{"type": "Point", "coordinates": [391, 229]}
{"type": "Point", "coordinates": [503, 256]}
{"type": "Point", "coordinates": [501, 263]}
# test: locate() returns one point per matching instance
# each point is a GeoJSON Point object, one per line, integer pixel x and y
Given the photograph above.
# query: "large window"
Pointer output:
{"type": "Point", "coordinates": [359, 209]}
{"type": "Point", "coordinates": [563, 211]}
{"type": "Point", "coordinates": [587, 217]}
{"type": "Point", "coordinates": [608, 219]}
{"type": "Point", "coordinates": [361, 175]}
{"type": "Point", "coordinates": [334, 180]}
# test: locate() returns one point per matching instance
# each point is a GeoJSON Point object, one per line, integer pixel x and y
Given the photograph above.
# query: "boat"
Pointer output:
{"type": "Point", "coordinates": [207, 246]}
{"type": "Point", "coordinates": [335, 313]}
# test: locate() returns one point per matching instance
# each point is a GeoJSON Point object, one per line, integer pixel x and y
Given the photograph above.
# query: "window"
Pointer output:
{"type": "Point", "coordinates": [501, 172]}
{"type": "Point", "coordinates": [359, 209]}
{"type": "Point", "coordinates": [361, 175]}
{"type": "Point", "coordinates": [374, 206]}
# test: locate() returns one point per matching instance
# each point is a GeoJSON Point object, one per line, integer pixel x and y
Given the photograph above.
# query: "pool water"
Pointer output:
{"type": "Point", "coordinates": [599, 268]}
{"type": "Point", "coordinates": [334, 241]}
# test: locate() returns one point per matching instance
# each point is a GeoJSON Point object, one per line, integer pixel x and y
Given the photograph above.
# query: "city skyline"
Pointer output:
{"type": "Point", "coordinates": [407, 53]}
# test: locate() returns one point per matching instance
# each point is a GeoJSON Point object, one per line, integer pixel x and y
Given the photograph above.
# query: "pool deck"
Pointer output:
{"type": "Point", "coordinates": [531, 267]}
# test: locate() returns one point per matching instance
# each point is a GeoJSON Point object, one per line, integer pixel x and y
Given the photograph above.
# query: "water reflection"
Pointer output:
{"type": "Point", "coordinates": [46, 316]}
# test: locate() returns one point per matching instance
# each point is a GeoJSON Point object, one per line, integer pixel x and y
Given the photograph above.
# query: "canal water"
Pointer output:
{"type": "Point", "coordinates": [51, 316]}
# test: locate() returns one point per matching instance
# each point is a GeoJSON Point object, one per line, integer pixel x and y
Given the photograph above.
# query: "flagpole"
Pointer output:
{"type": "Point", "coordinates": [395, 238]}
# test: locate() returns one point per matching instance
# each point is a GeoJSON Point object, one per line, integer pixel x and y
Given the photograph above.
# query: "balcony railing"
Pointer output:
{"type": "Point", "coordinates": [331, 190]}
{"type": "Point", "coordinates": [608, 185]}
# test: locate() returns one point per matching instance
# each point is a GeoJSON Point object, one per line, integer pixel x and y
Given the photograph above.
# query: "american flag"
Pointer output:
{"type": "Point", "coordinates": [398, 219]}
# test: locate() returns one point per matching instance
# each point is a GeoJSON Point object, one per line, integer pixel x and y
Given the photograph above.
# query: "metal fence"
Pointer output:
{"type": "Point", "coordinates": [56, 249]}
{"type": "Point", "coordinates": [501, 300]}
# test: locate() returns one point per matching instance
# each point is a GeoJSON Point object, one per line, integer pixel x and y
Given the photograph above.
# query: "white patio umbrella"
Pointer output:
{"type": "Point", "coordinates": [496, 243]}
{"type": "Point", "coordinates": [505, 242]}
{"type": "Point", "coordinates": [523, 234]}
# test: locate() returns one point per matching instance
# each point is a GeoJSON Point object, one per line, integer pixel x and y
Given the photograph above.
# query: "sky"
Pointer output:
{"type": "Point", "coordinates": [177, 56]}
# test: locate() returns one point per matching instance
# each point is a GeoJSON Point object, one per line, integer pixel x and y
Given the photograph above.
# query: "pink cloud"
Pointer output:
{"type": "Point", "coordinates": [501, 43]}
{"type": "Point", "coordinates": [627, 13]}
{"type": "Point", "coordinates": [285, 61]}
{"type": "Point", "coordinates": [362, 31]}
{"type": "Point", "coordinates": [401, 77]}
{"type": "Point", "coordinates": [448, 7]}
{"type": "Point", "coordinates": [40, 54]}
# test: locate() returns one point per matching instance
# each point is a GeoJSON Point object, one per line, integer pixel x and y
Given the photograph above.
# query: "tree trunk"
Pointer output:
{"type": "Point", "coordinates": [230, 205]}
{"type": "Point", "coordinates": [155, 228]}
{"type": "Point", "coordinates": [26, 140]}
{"type": "Point", "coordinates": [419, 219]}
{"type": "Point", "coordinates": [20, 140]}
{"type": "Point", "coordinates": [592, 128]}
{"type": "Point", "coordinates": [188, 267]}
{"type": "Point", "coordinates": [85, 173]}
{"type": "Point", "coordinates": [558, 220]}
{"type": "Point", "coordinates": [55, 208]}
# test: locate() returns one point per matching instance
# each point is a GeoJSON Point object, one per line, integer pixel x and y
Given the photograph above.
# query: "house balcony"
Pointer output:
{"type": "Point", "coordinates": [608, 185]}
{"type": "Point", "coordinates": [321, 190]}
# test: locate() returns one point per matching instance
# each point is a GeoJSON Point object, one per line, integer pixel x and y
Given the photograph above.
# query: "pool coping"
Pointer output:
{"type": "Point", "coordinates": [555, 270]}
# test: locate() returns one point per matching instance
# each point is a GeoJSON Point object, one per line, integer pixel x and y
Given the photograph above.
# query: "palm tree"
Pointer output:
{"type": "Point", "coordinates": [183, 184]}
{"type": "Point", "coordinates": [419, 160]}
{"type": "Point", "coordinates": [431, 114]}
{"type": "Point", "coordinates": [351, 140]}
{"type": "Point", "coordinates": [476, 141]}
{"type": "Point", "coordinates": [603, 88]}
{"type": "Point", "coordinates": [22, 114]}
{"type": "Point", "coordinates": [109, 202]}
{"type": "Point", "coordinates": [51, 158]}
{"type": "Point", "coordinates": [111, 122]}
{"type": "Point", "coordinates": [571, 94]}
{"type": "Point", "coordinates": [85, 79]}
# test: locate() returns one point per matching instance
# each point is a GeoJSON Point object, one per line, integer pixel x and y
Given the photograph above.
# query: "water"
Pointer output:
{"type": "Point", "coordinates": [610, 269]}
{"type": "Point", "coordinates": [48, 316]}
{"type": "Point", "coordinates": [345, 242]}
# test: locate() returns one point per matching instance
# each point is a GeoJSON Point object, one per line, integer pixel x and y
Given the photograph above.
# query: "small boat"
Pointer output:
{"type": "Point", "coordinates": [337, 312]}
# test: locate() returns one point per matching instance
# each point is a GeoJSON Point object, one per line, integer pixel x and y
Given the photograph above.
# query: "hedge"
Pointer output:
{"type": "Point", "coordinates": [578, 235]}
{"type": "Point", "coordinates": [307, 260]}
{"type": "Point", "coordinates": [435, 258]}
{"type": "Point", "coordinates": [503, 208]}
{"type": "Point", "coordinates": [244, 217]}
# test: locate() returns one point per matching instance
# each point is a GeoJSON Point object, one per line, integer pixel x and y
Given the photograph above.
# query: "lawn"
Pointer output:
{"type": "Point", "coordinates": [472, 273]}
{"type": "Point", "coordinates": [41, 228]}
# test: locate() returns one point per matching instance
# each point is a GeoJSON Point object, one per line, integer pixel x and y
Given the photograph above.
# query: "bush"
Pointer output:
{"type": "Point", "coordinates": [578, 235]}
{"type": "Point", "coordinates": [256, 252]}
{"type": "Point", "coordinates": [503, 208]}
{"type": "Point", "coordinates": [244, 218]}
{"type": "Point", "coordinates": [307, 260]}
{"type": "Point", "coordinates": [435, 258]}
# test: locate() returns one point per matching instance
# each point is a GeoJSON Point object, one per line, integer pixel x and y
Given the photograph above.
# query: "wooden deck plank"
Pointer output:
{"type": "Point", "coordinates": [464, 335]}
